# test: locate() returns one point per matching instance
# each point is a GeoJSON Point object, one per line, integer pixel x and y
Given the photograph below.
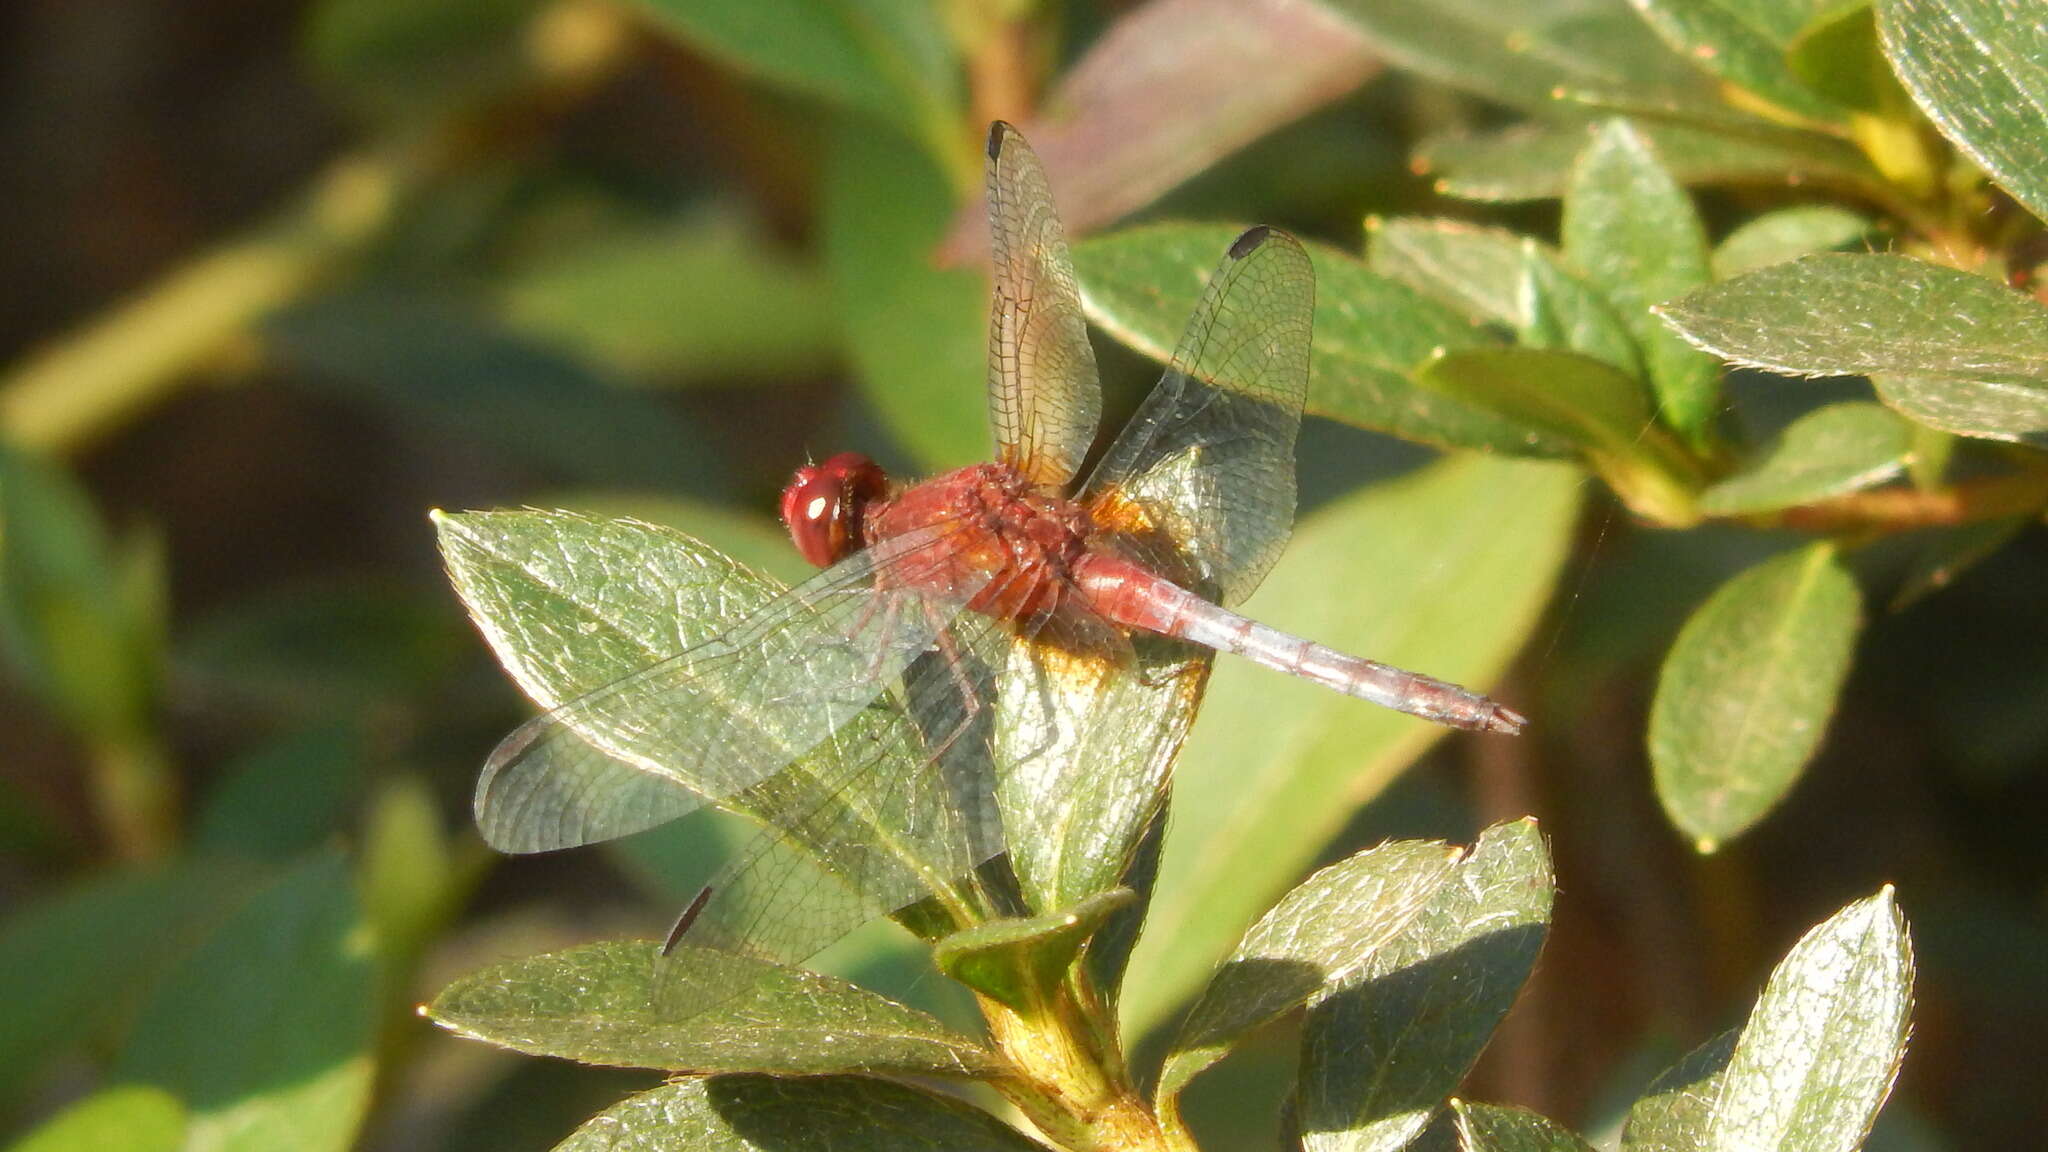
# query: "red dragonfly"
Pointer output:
{"type": "Point", "coordinates": [868, 715]}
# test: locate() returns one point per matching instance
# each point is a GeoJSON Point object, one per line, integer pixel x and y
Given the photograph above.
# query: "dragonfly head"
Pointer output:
{"type": "Point", "coordinates": [825, 502]}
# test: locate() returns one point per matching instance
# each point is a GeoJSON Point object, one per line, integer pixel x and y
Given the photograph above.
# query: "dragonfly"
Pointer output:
{"type": "Point", "coordinates": [866, 716]}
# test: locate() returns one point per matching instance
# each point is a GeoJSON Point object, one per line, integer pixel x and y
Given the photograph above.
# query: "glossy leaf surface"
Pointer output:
{"type": "Point", "coordinates": [758, 1113]}
{"type": "Point", "coordinates": [1976, 69]}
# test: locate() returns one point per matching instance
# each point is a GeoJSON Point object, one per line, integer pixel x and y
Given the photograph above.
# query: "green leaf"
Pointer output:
{"type": "Point", "coordinates": [886, 58]}
{"type": "Point", "coordinates": [1141, 285]}
{"type": "Point", "coordinates": [395, 58]}
{"type": "Point", "coordinates": [129, 1117]}
{"type": "Point", "coordinates": [1951, 553]}
{"type": "Point", "coordinates": [1590, 404]}
{"type": "Point", "coordinates": [1787, 234]}
{"type": "Point", "coordinates": [284, 798]}
{"type": "Point", "coordinates": [1838, 57]}
{"type": "Point", "coordinates": [598, 1004]}
{"type": "Point", "coordinates": [1534, 161]}
{"type": "Point", "coordinates": [1836, 449]}
{"type": "Point", "coordinates": [1522, 51]}
{"type": "Point", "coordinates": [81, 960]}
{"type": "Point", "coordinates": [429, 358]}
{"type": "Point", "coordinates": [67, 626]}
{"type": "Point", "coordinates": [755, 1113]}
{"type": "Point", "coordinates": [1321, 934]}
{"type": "Point", "coordinates": [700, 300]}
{"type": "Point", "coordinates": [1492, 274]}
{"type": "Point", "coordinates": [1823, 1045]}
{"type": "Point", "coordinates": [1840, 314]}
{"type": "Point", "coordinates": [1380, 1052]}
{"type": "Point", "coordinates": [1815, 1060]}
{"type": "Point", "coordinates": [1745, 693]}
{"type": "Point", "coordinates": [1017, 961]}
{"type": "Point", "coordinates": [2014, 410]}
{"type": "Point", "coordinates": [1974, 66]}
{"type": "Point", "coordinates": [1493, 1128]}
{"type": "Point", "coordinates": [1631, 229]}
{"type": "Point", "coordinates": [1743, 42]}
{"type": "Point", "coordinates": [408, 874]}
{"type": "Point", "coordinates": [265, 1031]}
{"type": "Point", "coordinates": [1460, 557]}
{"type": "Point", "coordinates": [917, 333]}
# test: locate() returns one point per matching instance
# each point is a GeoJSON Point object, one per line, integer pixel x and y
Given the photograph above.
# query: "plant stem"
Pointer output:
{"type": "Point", "coordinates": [1073, 1090]}
{"type": "Point", "coordinates": [135, 794]}
{"type": "Point", "coordinates": [1903, 509]}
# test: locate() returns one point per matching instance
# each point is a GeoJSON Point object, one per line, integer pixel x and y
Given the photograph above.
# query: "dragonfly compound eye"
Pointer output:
{"type": "Point", "coordinates": [824, 505]}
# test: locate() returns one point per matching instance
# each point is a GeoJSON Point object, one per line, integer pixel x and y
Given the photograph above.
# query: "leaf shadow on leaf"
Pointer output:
{"type": "Point", "coordinates": [1370, 1027]}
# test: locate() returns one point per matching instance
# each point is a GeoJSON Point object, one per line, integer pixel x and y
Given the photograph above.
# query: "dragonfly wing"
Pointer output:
{"type": "Point", "coordinates": [710, 723]}
{"type": "Point", "coordinates": [1202, 478]}
{"type": "Point", "coordinates": [1045, 399]}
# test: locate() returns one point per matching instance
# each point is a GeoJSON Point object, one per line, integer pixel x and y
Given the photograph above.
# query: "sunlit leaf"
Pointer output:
{"type": "Point", "coordinates": [1534, 161]}
{"type": "Point", "coordinates": [1986, 409]}
{"type": "Point", "coordinates": [409, 875]}
{"type": "Point", "coordinates": [1321, 934]}
{"type": "Point", "coordinates": [1631, 229]}
{"type": "Point", "coordinates": [598, 1003]}
{"type": "Point", "coordinates": [887, 58]}
{"type": "Point", "coordinates": [1381, 1051]}
{"type": "Point", "coordinates": [917, 333]}
{"type": "Point", "coordinates": [1493, 1128]}
{"type": "Point", "coordinates": [1975, 67]}
{"type": "Point", "coordinates": [1443, 571]}
{"type": "Point", "coordinates": [1018, 960]}
{"type": "Point", "coordinates": [701, 300]}
{"type": "Point", "coordinates": [1141, 285]}
{"type": "Point", "coordinates": [1565, 312]}
{"type": "Point", "coordinates": [1169, 89]}
{"type": "Point", "coordinates": [1746, 691]}
{"type": "Point", "coordinates": [131, 1117]}
{"type": "Point", "coordinates": [1787, 234]}
{"type": "Point", "coordinates": [754, 1113]}
{"type": "Point", "coordinates": [1744, 42]}
{"type": "Point", "coordinates": [265, 1031]}
{"type": "Point", "coordinates": [1522, 51]}
{"type": "Point", "coordinates": [1816, 1058]}
{"type": "Point", "coordinates": [426, 357]}
{"type": "Point", "coordinates": [1836, 449]}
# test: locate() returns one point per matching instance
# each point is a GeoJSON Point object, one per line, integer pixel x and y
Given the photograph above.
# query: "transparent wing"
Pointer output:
{"type": "Point", "coordinates": [727, 714]}
{"type": "Point", "coordinates": [1200, 483]}
{"type": "Point", "coordinates": [1044, 397]}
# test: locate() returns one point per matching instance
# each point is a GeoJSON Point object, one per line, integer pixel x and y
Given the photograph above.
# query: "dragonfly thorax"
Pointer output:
{"type": "Point", "coordinates": [825, 506]}
{"type": "Point", "coordinates": [1013, 541]}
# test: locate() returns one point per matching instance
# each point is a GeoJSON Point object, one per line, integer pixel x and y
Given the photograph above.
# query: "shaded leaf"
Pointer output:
{"type": "Point", "coordinates": [1380, 1052]}
{"type": "Point", "coordinates": [1975, 67]}
{"type": "Point", "coordinates": [1567, 313]}
{"type": "Point", "coordinates": [1987, 409]}
{"type": "Point", "coordinates": [131, 1117]}
{"type": "Point", "coordinates": [1141, 285]}
{"type": "Point", "coordinates": [1743, 42]}
{"type": "Point", "coordinates": [1493, 1128]}
{"type": "Point", "coordinates": [701, 300]}
{"type": "Point", "coordinates": [1745, 693]}
{"type": "Point", "coordinates": [409, 876]}
{"type": "Point", "coordinates": [917, 333]}
{"type": "Point", "coordinates": [887, 58]}
{"type": "Point", "coordinates": [284, 798]}
{"type": "Point", "coordinates": [428, 358]}
{"type": "Point", "coordinates": [598, 1004]}
{"type": "Point", "coordinates": [1837, 55]}
{"type": "Point", "coordinates": [1172, 87]}
{"type": "Point", "coordinates": [1823, 1045]}
{"type": "Point", "coordinates": [1829, 451]}
{"type": "Point", "coordinates": [1522, 51]}
{"type": "Point", "coordinates": [1840, 314]}
{"type": "Point", "coordinates": [1952, 553]}
{"type": "Point", "coordinates": [1787, 234]}
{"type": "Point", "coordinates": [81, 960]}
{"type": "Point", "coordinates": [1459, 558]}
{"type": "Point", "coordinates": [1018, 960]}
{"type": "Point", "coordinates": [1534, 161]}
{"type": "Point", "coordinates": [393, 57]}
{"type": "Point", "coordinates": [265, 1031]}
{"type": "Point", "coordinates": [1321, 934]}
{"type": "Point", "coordinates": [1673, 1113]}
{"type": "Point", "coordinates": [1588, 403]}
{"type": "Point", "coordinates": [1631, 229]}
{"type": "Point", "coordinates": [756, 1113]}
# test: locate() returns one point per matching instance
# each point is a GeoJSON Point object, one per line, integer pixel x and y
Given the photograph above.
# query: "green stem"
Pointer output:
{"type": "Point", "coordinates": [135, 794]}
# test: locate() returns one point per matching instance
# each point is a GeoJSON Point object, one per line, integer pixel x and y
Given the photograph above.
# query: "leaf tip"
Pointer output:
{"type": "Point", "coordinates": [1706, 845]}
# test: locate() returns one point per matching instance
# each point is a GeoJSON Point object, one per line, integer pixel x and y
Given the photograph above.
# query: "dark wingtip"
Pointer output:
{"type": "Point", "coordinates": [683, 922]}
{"type": "Point", "coordinates": [998, 130]}
{"type": "Point", "coordinates": [1246, 244]}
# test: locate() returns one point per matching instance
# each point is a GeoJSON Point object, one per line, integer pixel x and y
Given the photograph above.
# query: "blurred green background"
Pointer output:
{"type": "Point", "coordinates": [279, 277]}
